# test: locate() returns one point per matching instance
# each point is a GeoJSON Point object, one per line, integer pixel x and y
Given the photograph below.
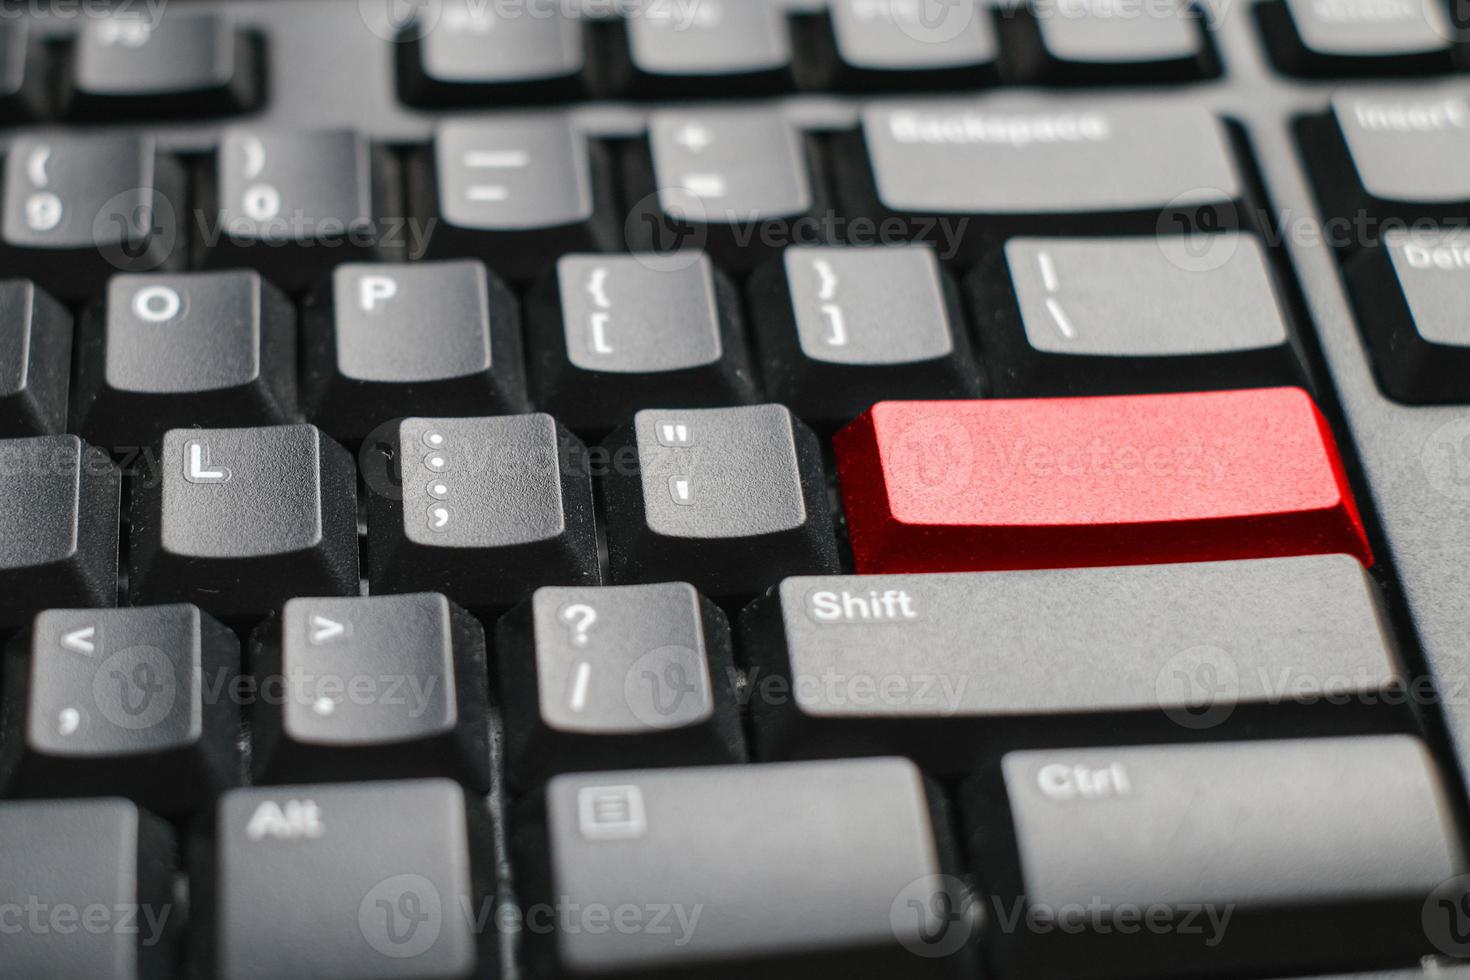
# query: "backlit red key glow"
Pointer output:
{"type": "Point", "coordinates": [1071, 482]}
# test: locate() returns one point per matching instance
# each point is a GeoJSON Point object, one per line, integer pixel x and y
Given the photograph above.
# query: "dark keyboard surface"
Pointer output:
{"type": "Point", "coordinates": [722, 488]}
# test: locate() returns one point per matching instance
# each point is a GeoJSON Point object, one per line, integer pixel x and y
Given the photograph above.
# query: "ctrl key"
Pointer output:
{"type": "Point", "coordinates": [1242, 858]}
{"type": "Point", "coordinates": [782, 871]}
{"type": "Point", "coordinates": [380, 880]}
{"type": "Point", "coordinates": [86, 890]}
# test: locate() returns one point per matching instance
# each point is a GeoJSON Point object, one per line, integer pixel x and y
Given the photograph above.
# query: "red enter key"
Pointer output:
{"type": "Point", "coordinates": [1067, 482]}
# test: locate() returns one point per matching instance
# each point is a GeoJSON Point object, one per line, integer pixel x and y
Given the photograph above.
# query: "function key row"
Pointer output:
{"type": "Point", "coordinates": [1078, 849]}
{"type": "Point", "coordinates": [466, 53]}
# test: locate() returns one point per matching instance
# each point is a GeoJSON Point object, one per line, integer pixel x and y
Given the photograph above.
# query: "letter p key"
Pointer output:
{"type": "Point", "coordinates": [373, 290]}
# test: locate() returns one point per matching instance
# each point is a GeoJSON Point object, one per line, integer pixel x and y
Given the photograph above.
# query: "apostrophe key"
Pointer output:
{"type": "Point", "coordinates": [731, 500]}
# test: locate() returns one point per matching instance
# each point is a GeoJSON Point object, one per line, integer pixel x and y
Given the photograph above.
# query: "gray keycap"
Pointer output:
{"type": "Point", "coordinates": [1410, 296]}
{"type": "Point", "coordinates": [293, 204]}
{"type": "Point", "coordinates": [615, 333]}
{"type": "Point", "coordinates": [843, 328]}
{"type": "Point", "coordinates": [487, 510]}
{"type": "Point", "coordinates": [273, 183]}
{"type": "Point", "coordinates": [1050, 165]}
{"type": "Point", "coordinates": [729, 165]}
{"type": "Point", "coordinates": [1122, 315]}
{"type": "Point", "coordinates": [518, 191]}
{"type": "Point", "coordinates": [1221, 307]}
{"type": "Point", "coordinates": [98, 877]}
{"type": "Point", "coordinates": [405, 338]}
{"type": "Point", "coordinates": [1100, 32]}
{"type": "Point", "coordinates": [791, 869]}
{"type": "Point", "coordinates": [730, 499]}
{"type": "Point", "coordinates": [1364, 29]}
{"type": "Point", "coordinates": [718, 175]}
{"type": "Point", "coordinates": [895, 36]}
{"type": "Point", "coordinates": [371, 880]}
{"type": "Point", "coordinates": [126, 702]}
{"type": "Point", "coordinates": [374, 688]}
{"type": "Point", "coordinates": [1319, 852]}
{"type": "Point", "coordinates": [474, 45]}
{"type": "Point", "coordinates": [182, 62]}
{"type": "Point", "coordinates": [79, 209]}
{"type": "Point", "coordinates": [1406, 147]}
{"type": "Point", "coordinates": [645, 314]}
{"type": "Point", "coordinates": [612, 677]}
{"type": "Point", "coordinates": [721, 37]}
{"type": "Point", "coordinates": [58, 528]}
{"type": "Point", "coordinates": [240, 520]}
{"type": "Point", "coordinates": [35, 360]}
{"type": "Point", "coordinates": [199, 348]}
{"type": "Point", "coordinates": [1042, 654]}
{"type": "Point", "coordinates": [847, 301]}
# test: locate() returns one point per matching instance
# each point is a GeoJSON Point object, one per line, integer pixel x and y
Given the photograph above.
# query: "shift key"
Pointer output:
{"type": "Point", "coordinates": [942, 668]}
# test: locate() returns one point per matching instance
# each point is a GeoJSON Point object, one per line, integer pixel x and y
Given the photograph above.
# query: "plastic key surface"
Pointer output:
{"type": "Point", "coordinates": [1057, 483]}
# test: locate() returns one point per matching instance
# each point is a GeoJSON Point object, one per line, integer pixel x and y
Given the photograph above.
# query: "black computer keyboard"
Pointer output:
{"type": "Point", "coordinates": [729, 488]}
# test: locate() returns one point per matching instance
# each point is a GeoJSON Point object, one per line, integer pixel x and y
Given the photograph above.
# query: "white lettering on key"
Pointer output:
{"type": "Point", "coordinates": [837, 325]}
{"type": "Point", "coordinates": [36, 165]}
{"type": "Point", "coordinates": [296, 820]}
{"type": "Point", "coordinates": [599, 333]}
{"type": "Point", "coordinates": [1446, 257]}
{"type": "Point", "coordinates": [43, 211]}
{"type": "Point", "coordinates": [372, 290]}
{"type": "Point", "coordinates": [611, 812]}
{"type": "Point", "coordinates": [982, 128]}
{"type": "Point", "coordinates": [157, 304]}
{"type": "Point", "coordinates": [1412, 117]}
{"type": "Point", "coordinates": [197, 467]}
{"type": "Point", "coordinates": [83, 641]}
{"type": "Point", "coordinates": [1063, 782]}
{"type": "Point", "coordinates": [843, 606]}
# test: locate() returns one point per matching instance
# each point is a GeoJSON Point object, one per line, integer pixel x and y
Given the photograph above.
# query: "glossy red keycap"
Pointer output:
{"type": "Point", "coordinates": [1070, 482]}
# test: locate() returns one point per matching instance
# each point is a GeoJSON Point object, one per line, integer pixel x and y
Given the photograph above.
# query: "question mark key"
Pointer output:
{"type": "Point", "coordinates": [618, 676]}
